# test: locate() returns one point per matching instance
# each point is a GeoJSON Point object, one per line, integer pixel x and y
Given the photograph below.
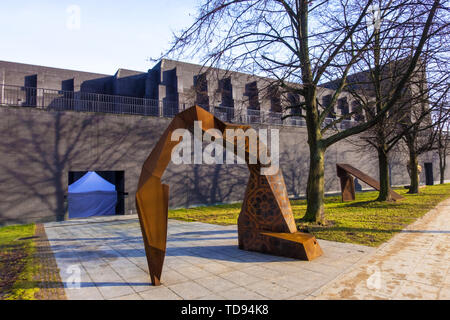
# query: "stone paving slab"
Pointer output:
{"type": "Point", "coordinates": [414, 264]}
{"type": "Point", "coordinates": [202, 262]}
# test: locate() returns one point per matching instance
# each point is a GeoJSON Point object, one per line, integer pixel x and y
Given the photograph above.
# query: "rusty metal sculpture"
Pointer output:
{"type": "Point", "coordinates": [345, 173]}
{"type": "Point", "coordinates": [266, 223]}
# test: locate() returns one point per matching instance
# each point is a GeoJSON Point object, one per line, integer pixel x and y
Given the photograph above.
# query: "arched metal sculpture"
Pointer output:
{"type": "Point", "coordinates": [266, 223]}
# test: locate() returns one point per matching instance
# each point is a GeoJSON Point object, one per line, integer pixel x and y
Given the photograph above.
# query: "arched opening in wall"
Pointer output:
{"type": "Point", "coordinates": [96, 193]}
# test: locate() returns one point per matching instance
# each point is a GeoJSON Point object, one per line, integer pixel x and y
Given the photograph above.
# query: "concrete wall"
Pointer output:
{"type": "Point", "coordinates": [38, 149]}
{"type": "Point", "coordinates": [12, 73]}
{"type": "Point", "coordinates": [124, 82]}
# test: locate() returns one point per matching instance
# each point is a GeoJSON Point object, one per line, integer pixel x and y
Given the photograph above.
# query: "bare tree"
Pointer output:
{"type": "Point", "coordinates": [428, 88]}
{"type": "Point", "coordinates": [383, 66]}
{"type": "Point", "coordinates": [420, 134]}
{"type": "Point", "coordinates": [442, 132]}
{"type": "Point", "coordinates": [288, 41]}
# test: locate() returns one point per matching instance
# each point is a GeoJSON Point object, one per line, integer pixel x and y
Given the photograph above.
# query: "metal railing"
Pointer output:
{"type": "Point", "coordinates": [59, 100]}
{"type": "Point", "coordinates": [252, 116]}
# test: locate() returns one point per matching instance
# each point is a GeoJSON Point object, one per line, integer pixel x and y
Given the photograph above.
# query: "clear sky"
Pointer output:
{"type": "Point", "coordinates": [97, 35]}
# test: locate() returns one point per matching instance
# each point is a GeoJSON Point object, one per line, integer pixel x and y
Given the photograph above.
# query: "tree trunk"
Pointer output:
{"type": "Point", "coordinates": [383, 167]}
{"type": "Point", "coordinates": [413, 163]}
{"type": "Point", "coordinates": [315, 189]}
{"type": "Point", "coordinates": [442, 165]}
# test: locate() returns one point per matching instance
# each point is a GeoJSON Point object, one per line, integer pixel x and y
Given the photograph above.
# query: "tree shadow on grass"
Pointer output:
{"type": "Point", "coordinates": [354, 230]}
{"type": "Point", "coordinates": [371, 204]}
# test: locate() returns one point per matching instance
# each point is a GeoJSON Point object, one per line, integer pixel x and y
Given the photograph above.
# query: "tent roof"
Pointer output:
{"type": "Point", "coordinates": [91, 182]}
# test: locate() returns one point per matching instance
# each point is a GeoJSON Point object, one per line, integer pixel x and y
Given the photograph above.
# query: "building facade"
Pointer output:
{"type": "Point", "coordinates": [56, 124]}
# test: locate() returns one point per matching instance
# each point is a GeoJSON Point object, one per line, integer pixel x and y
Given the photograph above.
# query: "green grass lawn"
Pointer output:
{"type": "Point", "coordinates": [363, 221]}
{"type": "Point", "coordinates": [17, 265]}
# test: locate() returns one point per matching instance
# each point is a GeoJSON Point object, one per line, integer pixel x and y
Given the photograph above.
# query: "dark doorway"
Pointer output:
{"type": "Point", "coordinates": [429, 179]}
{"type": "Point", "coordinates": [343, 106]}
{"type": "Point", "coordinates": [275, 100]}
{"type": "Point", "coordinates": [226, 91]}
{"type": "Point", "coordinates": [201, 91]}
{"type": "Point", "coordinates": [251, 91]}
{"type": "Point", "coordinates": [30, 91]}
{"type": "Point", "coordinates": [67, 85]}
{"type": "Point", "coordinates": [115, 177]}
{"type": "Point", "coordinates": [294, 101]}
{"type": "Point", "coordinates": [326, 102]}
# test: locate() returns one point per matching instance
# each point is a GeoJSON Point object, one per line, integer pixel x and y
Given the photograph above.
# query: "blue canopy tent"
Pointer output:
{"type": "Point", "coordinates": [91, 195]}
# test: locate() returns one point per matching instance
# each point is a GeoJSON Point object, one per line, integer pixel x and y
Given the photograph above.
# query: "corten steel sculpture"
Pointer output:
{"type": "Point", "coordinates": [266, 223]}
{"type": "Point", "coordinates": [345, 173]}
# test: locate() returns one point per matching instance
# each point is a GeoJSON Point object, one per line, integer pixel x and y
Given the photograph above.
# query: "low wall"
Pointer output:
{"type": "Point", "coordinates": [38, 149]}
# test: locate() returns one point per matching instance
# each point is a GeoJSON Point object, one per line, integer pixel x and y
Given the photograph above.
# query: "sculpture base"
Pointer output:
{"type": "Point", "coordinates": [298, 245]}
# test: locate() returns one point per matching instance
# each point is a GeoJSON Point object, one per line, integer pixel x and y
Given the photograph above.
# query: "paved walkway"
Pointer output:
{"type": "Point", "coordinates": [412, 265]}
{"type": "Point", "coordinates": [202, 262]}
{"type": "Point", "coordinates": [47, 276]}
